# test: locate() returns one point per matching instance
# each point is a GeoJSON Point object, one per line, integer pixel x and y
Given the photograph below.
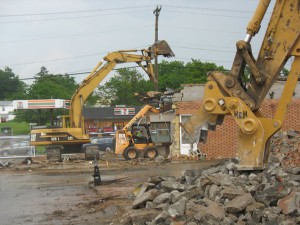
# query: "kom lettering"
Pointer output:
{"type": "Point", "coordinates": [240, 115]}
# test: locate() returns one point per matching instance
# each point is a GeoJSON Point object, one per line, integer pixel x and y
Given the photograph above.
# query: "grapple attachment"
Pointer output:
{"type": "Point", "coordinates": [162, 48]}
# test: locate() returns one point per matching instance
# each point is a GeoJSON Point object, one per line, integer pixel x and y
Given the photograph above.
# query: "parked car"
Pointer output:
{"type": "Point", "coordinates": [107, 129]}
{"type": "Point", "coordinates": [103, 143]}
{"type": "Point", "coordinates": [17, 149]}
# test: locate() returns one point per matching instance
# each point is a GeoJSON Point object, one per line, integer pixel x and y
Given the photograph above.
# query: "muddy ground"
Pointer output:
{"type": "Point", "coordinates": [46, 192]}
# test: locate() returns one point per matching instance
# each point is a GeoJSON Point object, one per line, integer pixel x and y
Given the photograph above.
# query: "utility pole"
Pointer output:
{"type": "Point", "coordinates": [156, 13]}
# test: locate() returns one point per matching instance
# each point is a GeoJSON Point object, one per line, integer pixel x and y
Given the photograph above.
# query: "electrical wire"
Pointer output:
{"type": "Point", "coordinates": [207, 14]}
{"type": "Point", "coordinates": [72, 12]}
{"type": "Point", "coordinates": [71, 18]}
{"type": "Point", "coordinates": [208, 9]}
{"type": "Point", "coordinates": [129, 67]}
{"type": "Point", "coordinates": [198, 28]}
{"type": "Point", "coordinates": [78, 35]}
{"type": "Point", "coordinates": [99, 53]}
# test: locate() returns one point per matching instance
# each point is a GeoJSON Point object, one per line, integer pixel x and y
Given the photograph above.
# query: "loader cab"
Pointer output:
{"type": "Point", "coordinates": [141, 134]}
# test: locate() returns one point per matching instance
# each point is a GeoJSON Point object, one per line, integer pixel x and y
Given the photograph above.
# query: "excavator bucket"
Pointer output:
{"type": "Point", "coordinates": [162, 48]}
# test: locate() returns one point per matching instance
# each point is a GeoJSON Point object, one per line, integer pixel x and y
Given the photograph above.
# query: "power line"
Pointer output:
{"type": "Point", "coordinates": [51, 60]}
{"type": "Point", "coordinates": [66, 58]}
{"type": "Point", "coordinates": [204, 49]}
{"type": "Point", "coordinates": [209, 9]}
{"type": "Point", "coordinates": [207, 14]}
{"type": "Point", "coordinates": [99, 53]}
{"type": "Point", "coordinates": [70, 18]}
{"type": "Point", "coordinates": [124, 8]}
{"type": "Point", "coordinates": [72, 12]}
{"type": "Point", "coordinates": [115, 30]}
{"type": "Point", "coordinates": [200, 29]}
{"type": "Point", "coordinates": [77, 35]}
{"type": "Point", "coordinates": [129, 67]}
{"type": "Point", "coordinates": [113, 9]}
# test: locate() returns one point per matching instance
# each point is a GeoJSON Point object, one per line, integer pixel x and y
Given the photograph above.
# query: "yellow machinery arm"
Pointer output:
{"type": "Point", "coordinates": [140, 115]}
{"type": "Point", "coordinates": [232, 94]}
{"type": "Point", "coordinates": [99, 73]}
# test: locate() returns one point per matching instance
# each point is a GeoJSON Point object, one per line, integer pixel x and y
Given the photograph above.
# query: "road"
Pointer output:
{"type": "Point", "coordinates": [64, 194]}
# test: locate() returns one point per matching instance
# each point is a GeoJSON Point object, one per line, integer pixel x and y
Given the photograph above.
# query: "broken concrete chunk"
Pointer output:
{"type": "Point", "coordinates": [155, 179]}
{"type": "Point", "coordinates": [290, 203]}
{"type": "Point", "coordinates": [272, 194]}
{"type": "Point", "coordinates": [141, 216]}
{"type": "Point", "coordinates": [192, 208]}
{"type": "Point", "coordinates": [213, 192]}
{"type": "Point", "coordinates": [145, 187]}
{"type": "Point", "coordinates": [161, 218]}
{"type": "Point", "coordinates": [162, 198]}
{"type": "Point", "coordinates": [231, 193]}
{"type": "Point", "coordinates": [178, 208]}
{"type": "Point", "coordinates": [254, 205]}
{"type": "Point", "coordinates": [214, 209]}
{"type": "Point", "coordinates": [194, 193]}
{"type": "Point", "coordinates": [147, 196]}
{"type": "Point", "coordinates": [239, 203]}
{"type": "Point", "coordinates": [172, 185]}
{"type": "Point", "coordinates": [293, 170]}
{"type": "Point", "coordinates": [211, 170]}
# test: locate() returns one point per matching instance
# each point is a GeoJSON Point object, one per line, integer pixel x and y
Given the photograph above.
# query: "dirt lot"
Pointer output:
{"type": "Point", "coordinates": [63, 193]}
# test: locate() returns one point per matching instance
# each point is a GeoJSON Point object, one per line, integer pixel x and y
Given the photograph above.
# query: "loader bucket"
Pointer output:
{"type": "Point", "coordinates": [162, 48]}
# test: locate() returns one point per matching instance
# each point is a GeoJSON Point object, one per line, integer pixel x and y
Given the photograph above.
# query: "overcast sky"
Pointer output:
{"type": "Point", "coordinates": [70, 36]}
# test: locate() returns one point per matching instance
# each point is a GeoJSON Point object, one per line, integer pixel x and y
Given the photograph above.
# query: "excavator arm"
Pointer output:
{"type": "Point", "coordinates": [140, 115]}
{"type": "Point", "coordinates": [101, 71]}
{"type": "Point", "coordinates": [231, 94]}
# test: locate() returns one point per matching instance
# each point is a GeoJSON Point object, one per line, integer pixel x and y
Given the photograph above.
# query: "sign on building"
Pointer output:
{"type": "Point", "coordinates": [124, 111]}
{"type": "Point", "coordinates": [41, 104]}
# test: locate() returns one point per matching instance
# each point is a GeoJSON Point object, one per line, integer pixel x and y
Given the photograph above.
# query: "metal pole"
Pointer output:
{"type": "Point", "coordinates": [156, 13]}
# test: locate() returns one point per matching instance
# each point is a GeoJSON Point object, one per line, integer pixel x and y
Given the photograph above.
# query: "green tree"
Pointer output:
{"type": "Point", "coordinates": [56, 86]}
{"type": "Point", "coordinates": [284, 72]}
{"type": "Point", "coordinates": [121, 88]}
{"type": "Point", "coordinates": [47, 86]}
{"type": "Point", "coordinates": [10, 86]}
{"type": "Point", "coordinates": [175, 73]}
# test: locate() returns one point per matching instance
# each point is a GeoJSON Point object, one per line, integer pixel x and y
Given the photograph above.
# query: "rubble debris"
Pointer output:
{"type": "Point", "coordinates": [223, 195]}
{"type": "Point", "coordinates": [286, 148]}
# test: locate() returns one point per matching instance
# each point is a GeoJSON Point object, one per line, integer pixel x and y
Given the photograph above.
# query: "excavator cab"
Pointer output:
{"type": "Point", "coordinates": [62, 121]}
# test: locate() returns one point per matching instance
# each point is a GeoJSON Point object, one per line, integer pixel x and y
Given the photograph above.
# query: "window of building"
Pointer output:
{"type": "Point", "coordinates": [184, 137]}
{"type": "Point", "coordinates": [160, 132]}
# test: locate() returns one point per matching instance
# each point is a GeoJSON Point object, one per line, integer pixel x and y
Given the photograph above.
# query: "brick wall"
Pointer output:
{"type": "Point", "coordinates": [222, 143]}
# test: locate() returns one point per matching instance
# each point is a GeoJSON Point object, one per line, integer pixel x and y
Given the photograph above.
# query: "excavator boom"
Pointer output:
{"type": "Point", "coordinates": [232, 94]}
{"type": "Point", "coordinates": [112, 59]}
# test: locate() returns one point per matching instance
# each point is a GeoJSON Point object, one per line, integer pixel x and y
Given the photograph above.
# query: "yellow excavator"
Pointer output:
{"type": "Point", "coordinates": [232, 94]}
{"type": "Point", "coordinates": [135, 137]}
{"type": "Point", "coordinates": [69, 134]}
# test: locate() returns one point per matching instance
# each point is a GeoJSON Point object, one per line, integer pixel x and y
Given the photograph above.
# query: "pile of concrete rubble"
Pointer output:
{"type": "Point", "coordinates": [220, 195]}
{"type": "Point", "coordinates": [286, 148]}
